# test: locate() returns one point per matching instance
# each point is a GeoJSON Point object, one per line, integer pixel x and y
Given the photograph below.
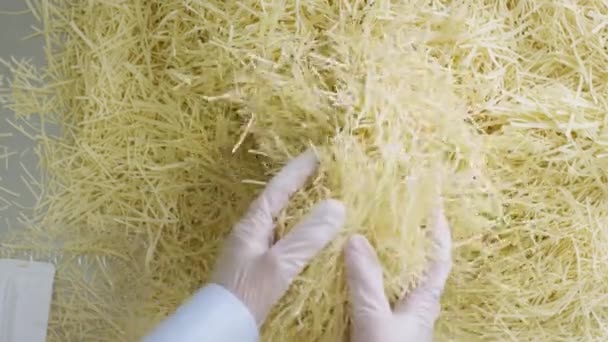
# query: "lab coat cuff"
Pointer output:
{"type": "Point", "coordinates": [212, 314]}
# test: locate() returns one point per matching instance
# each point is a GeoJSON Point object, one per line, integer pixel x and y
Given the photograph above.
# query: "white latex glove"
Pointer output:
{"type": "Point", "coordinates": [257, 270]}
{"type": "Point", "coordinates": [413, 317]}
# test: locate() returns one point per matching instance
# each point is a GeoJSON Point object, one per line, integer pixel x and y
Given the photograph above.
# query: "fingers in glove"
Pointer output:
{"type": "Point", "coordinates": [293, 252]}
{"type": "Point", "coordinates": [365, 283]}
{"type": "Point", "coordinates": [289, 180]}
{"type": "Point", "coordinates": [424, 301]}
{"type": "Point", "coordinates": [256, 227]}
{"type": "Point", "coordinates": [442, 237]}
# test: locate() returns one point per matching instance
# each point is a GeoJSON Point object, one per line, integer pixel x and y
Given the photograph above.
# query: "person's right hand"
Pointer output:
{"type": "Point", "coordinates": [414, 316]}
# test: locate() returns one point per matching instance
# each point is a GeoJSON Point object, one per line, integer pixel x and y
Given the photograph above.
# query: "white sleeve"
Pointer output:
{"type": "Point", "coordinates": [213, 314]}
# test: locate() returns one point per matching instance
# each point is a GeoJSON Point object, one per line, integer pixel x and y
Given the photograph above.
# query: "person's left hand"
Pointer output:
{"type": "Point", "coordinates": [258, 270]}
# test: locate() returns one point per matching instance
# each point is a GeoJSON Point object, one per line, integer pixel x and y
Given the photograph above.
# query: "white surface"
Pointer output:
{"type": "Point", "coordinates": [25, 287]}
{"type": "Point", "coordinates": [13, 28]}
{"type": "Point", "coordinates": [212, 314]}
{"type": "Point", "coordinates": [25, 298]}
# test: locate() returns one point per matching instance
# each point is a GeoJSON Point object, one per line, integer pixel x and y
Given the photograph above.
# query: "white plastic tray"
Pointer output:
{"type": "Point", "coordinates": [25, 298]}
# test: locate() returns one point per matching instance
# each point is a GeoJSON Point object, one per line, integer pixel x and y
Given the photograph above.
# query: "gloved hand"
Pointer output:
{"type": "Point", "coordinates": [252, 266]}
{"type": "Point", "coordinates": [413, 317]}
